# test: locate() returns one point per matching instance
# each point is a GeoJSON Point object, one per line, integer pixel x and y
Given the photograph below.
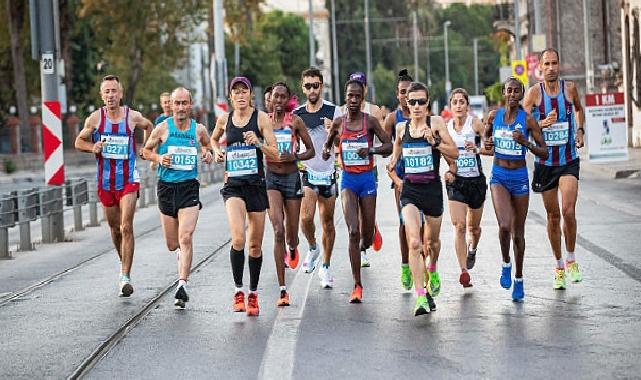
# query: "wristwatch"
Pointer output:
{"type": "Point", "coordinates": [530, 145]}
{"type": "Point", "coordinates": [581, 129]}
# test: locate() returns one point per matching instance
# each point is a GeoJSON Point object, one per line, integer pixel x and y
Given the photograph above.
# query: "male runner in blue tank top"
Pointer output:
{"type": "Point", "coordinates": [175, 145]}
{"type": "Point", "coordinates": [165, 105]}
{"type": "Point", "coordinates": [393, 119]}
{"type": "Point", "coordinates": [556, 104]}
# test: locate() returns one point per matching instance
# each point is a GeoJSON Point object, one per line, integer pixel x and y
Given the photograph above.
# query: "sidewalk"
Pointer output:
{"type": "Point", "coordinates": [614, 170]}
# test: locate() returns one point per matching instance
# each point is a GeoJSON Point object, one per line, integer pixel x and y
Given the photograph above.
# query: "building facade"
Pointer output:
{"type": "Point", "coordinates": [631, 52]}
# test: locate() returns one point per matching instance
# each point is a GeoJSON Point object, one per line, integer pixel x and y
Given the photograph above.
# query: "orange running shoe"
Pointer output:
{"type": "Point", "coordinates": [293, 260]}
{"type": "Point", "coordinates": [284, 299]}
{"type": "Point", "coordinates": [239, 301]}
{"type": "Point", "coordinates": [357, 294]}
{"type": "Point", "coordinates": [252, 305]}
{"type": "Point", "coordinates": [377, 244]}
{"type": "Point", "coordinates": [464, 279]}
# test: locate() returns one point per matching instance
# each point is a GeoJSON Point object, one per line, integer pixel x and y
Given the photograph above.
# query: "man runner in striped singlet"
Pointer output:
{"type": "Point", "coordinates": [557, 106]}
{"type": "Point", "coordinates": [109, 134]}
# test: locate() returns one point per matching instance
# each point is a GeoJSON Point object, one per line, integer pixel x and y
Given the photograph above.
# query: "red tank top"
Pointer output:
{"type": "Point", "coordinates": [349, 144]}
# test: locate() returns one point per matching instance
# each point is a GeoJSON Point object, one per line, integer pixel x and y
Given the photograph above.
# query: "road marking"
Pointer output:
{"type": "Point", "coordinates": [280, 351]}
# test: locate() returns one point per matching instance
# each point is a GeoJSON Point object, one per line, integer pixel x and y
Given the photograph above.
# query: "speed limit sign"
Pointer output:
{"type": "Point", "coordinates": [47, 63]}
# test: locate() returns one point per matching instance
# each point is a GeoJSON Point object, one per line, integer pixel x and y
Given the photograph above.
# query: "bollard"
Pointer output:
{"type": "Point", "coordinates": [27, 207]}
{"type": "Point", "coordinates": [142, 200]}
{"type": "Point", "coordinates": [79, 197]}
{"type": "Point", "coordinates": [57, 218]}
{"type": "Point", "coordinates": [45, 217]}
{"type": "Point", "coordinates": [152, 179]}
{"type": "Point", "coordinates": [7, 219]}
{"type": "Point", "coordinates": [92, 198]}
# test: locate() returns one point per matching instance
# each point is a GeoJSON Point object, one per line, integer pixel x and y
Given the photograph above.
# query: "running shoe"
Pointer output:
{"type": "Point", "coordinates": [357, 294]}
{"type": "Point", "coordinates": [430, 301]}
{"type": "Point", "coordinates": [284, 298]}
{"type": "Point", "coordinates": [252, 305]}
{"type": "Point", "coordinates": [464, 279]}
{"type": "Point", "coordinates": [406, 277]}
{"type": "Point", "coordinates": [125, 287]}
{"type": "Point", "coordinates": [377, 243]}
{"type": "Point", "coordinates": [364, 260]}
{"type": "Point", "coordinates": [239, 302]}
{"type": "Point", "coordinates": [506, 276]}
{"type": "Point", "coordinates": [518, 293]}
{"type": "Point", "coordinates": [559, 279]}
{"type": "Point", "coordinates": [326, 279]}
{"type": "Point", "coordinates": [435, 283]}
{"type": "Point", "coordinates": [574, 271]}
{"type": "Point", "coordinates": [180, 297]}
{"type": "Point", "coordinates": [471, 257]}
{"type": "Point", "coordinates": [310, 260]}
{"type": "Point", "coordinates": [422, 307]}
{"type": "Point", "coordinates": [294, 258]}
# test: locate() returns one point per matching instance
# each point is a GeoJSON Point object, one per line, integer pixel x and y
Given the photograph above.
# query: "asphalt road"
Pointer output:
{"type": "Point", "coordinates": [60, 313]}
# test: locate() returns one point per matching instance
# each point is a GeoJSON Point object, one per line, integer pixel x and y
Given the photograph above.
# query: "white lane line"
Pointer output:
{"type": "Point", "coordinates": [280, 351]}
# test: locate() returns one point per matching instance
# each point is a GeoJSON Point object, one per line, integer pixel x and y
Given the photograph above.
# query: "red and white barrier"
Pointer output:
{"type": "Point", "coordinates": [52, 143]}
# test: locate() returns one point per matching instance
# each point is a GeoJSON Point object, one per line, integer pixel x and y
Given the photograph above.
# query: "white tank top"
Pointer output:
{"type": "Point", "coordinates": [467, 162]}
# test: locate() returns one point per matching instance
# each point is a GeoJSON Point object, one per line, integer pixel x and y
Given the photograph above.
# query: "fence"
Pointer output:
{"type": "Point", "coordinates": [48, 204]}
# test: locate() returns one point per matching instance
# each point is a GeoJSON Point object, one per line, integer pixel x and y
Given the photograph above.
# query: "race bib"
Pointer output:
{"type": "Point", "coordinates": [556, 134]}
{"type": "Point", "coordinates": [115, 147]}
{"type": "Point", "coordinates": [284, 140]}
{"type": "Point", "coordinates": [183, 157]}
{"type": "Point", "coordinates": [417, 158]}
{"type": "Point", "coordinates": [319, 178]}
{"type": "Point", "coordinates": [241, 160]}
{"type": "Point", "coordinates": [349, 149]}
{"type": "Point", "coordinates": [505, 144]}
{"type": "Point", "coordinates": [466, 164]}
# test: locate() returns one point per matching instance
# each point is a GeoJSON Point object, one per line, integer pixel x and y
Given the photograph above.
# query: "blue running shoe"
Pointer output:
{"type": "Point", "coordinates": [518, 293]}
{"type": "Point", "coordinates": [506, 275]}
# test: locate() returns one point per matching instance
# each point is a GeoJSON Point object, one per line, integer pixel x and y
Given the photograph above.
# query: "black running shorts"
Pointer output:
{"type": "Point", "coordinates": [547, 177]}
{"type": "Point", "coordinates": [427, 197]}
{"type": "Point", "coordinates": [288, 184]}
{"type": "Point", "coordinates": [471, 191]}
{"type": "Point", "coordinates": [172, 196]}
{"type": "Point", "coordinates": [253, 194]}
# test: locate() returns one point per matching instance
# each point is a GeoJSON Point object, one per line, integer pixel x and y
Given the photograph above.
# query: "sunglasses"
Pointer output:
{"type": "Point", "coordinates": [315, 85]}
{"type": "Point", "coordinates": [420, 102]}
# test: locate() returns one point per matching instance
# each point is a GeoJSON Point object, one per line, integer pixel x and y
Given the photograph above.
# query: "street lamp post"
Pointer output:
{"type": "Point", "coordinates": [448, 84]}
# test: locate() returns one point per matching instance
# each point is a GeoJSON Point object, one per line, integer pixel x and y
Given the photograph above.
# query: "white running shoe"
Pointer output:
{"type": "Point", "coordinates": [364, 260]}
{"type": "Point", "coordinates": [326, 279]}
{"type": "Point", "coordinates": [311, 260]}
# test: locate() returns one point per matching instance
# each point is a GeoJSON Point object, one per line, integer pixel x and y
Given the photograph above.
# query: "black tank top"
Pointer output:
{"type": "Point", "coordinates": [420, 159]}
{"type": "Point", "coordinates": [242, 170]}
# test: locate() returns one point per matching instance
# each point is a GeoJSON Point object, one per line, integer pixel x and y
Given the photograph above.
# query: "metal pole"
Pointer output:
{"type": "Point", "coordinates": [517, 30]}
{"type": "Point", "coordinates": [415, 38]}
{"type": "Point", "coordinates": [448, 84]}
{"type": "Point", "coordinates": [219, 47]}
{"type": "Point", "coordinates": [476, 66]}
{"type": "Point", "coordinates": [337, 86]}
{"type": "Point", "coordinates": [368, 53]}
{"type": "Point", "coordinates": [49, 76]}
{"type": "Point", "coordinates": [537, 17]}
{"type": "Point", "coordinates": [237, 58]}
{"type": "Point", "coordinates": [587, 53]}
{"type": "Point", "coordinates": [312, 40]}
{"type": "Point", "coordinates": [5, 253]}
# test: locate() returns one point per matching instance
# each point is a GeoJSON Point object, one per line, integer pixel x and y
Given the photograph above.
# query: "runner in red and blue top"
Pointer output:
{"type": "Point", "coordinates": [355, 132]}
{"type": "Point", "coordinates": [556, 104]}
{"type": "Point", "coordinates": [109, 134]}
{"type": "Point", "coordinates": [393, 119]}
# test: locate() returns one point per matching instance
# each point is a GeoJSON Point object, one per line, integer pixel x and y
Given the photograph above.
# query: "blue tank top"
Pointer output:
{"type": "Point", "coordinates": [559, 137]}
{"type": "Point", "coordinates": [183, 147]}
{"type": "Point", "coordinates": [399, 118]}
{"type": "Point", "coordinates": [504, 145]}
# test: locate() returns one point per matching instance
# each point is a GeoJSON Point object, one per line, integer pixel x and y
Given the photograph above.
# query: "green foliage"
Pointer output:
{"type": "Point", "coordinates": [9, 166]}
{"type": "Point", "coordinates": [494, 93]}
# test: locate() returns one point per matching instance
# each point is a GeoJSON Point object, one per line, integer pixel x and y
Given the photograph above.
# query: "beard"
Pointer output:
{"type": "Point", "coordinates": [313, 100]}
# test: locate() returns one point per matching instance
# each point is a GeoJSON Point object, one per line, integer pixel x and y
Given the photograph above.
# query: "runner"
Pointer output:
{"type": "Point", "coordinates": [319, 176]}
{"type": "Point", "coordinates": [559, 111]}
{"type": "Point", "coordinates": [165, 104]}
{"type": "Point", "coordinates": [355, 132]}
{"type": "Point", "coordinates": [109, 134]}
{"type": "Point", "coordinates": [465, 182]}
{"type": "Point", "coordinates": [374, 110]}
{"type": "Point", "coordinates": [267, 99]}
{"type": "Point", "coordinates": [421, 141]}
{"type": "Point", "coordinates": [284, 187]}
{"type": "Point", "coordinates": [178, 140]}
{"type": "Point", "coordinates": [400, 116]}
{"type": "Point", "coordinates": [510, 131]}
{"type": "Point", "coordinates": [244, 190]}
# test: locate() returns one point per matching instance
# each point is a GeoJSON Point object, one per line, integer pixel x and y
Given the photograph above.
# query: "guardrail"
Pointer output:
{"type": "Point", "coordinates": [48, 204]}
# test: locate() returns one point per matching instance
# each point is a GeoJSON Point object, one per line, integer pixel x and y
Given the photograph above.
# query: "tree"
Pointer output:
{"type": "Point", "coordinates": [15, 16]}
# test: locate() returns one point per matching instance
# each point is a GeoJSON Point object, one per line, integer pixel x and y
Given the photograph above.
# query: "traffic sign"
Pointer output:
{"type": "Point", "coordinates": [519, 70]}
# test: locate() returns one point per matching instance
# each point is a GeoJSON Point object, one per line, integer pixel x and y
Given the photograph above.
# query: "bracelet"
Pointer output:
{"type": "Point", "coordinates": [259, 145]}
{"type": "Point", "coordinates": [370, 151]}
{"type": "Point", "coordinates": [581, 129]}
